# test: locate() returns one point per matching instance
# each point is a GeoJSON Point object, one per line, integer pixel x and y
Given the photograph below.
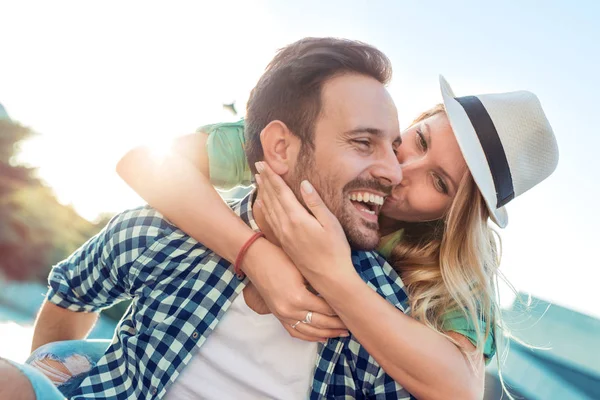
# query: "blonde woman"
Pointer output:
{"type": "Point", "coordinates": [463, 160]}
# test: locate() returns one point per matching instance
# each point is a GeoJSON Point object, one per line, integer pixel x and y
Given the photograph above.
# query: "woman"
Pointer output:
{"type": "Point", "coordinates": [434, 228]}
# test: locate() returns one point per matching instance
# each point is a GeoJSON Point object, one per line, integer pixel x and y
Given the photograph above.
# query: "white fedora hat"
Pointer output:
{"type": "Point", "coordinates": [506, 140]}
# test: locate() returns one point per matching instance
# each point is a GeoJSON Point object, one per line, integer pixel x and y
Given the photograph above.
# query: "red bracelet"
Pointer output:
{"type": "Point", "coordinates": [242, 253]}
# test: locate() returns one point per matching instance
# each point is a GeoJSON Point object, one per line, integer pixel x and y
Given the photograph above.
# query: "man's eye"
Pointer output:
{"type": "Point", "coordinates": [363, 144]}
{"type": "Point", "coordinates": [421, 142]}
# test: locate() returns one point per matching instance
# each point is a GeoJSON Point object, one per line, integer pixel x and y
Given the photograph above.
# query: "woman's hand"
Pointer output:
{"type": "Point", "coordinates": [317, 245]}
{"type": "Point", "coordinates": [284, 290]}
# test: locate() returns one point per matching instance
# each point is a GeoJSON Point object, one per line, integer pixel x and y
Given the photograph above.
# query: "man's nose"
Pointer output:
{"type": "Point", "coordinates": [388, 170]}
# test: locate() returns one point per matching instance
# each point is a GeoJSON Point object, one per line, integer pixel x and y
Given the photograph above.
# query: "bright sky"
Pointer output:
{"type": "Point", "coordinates": [96, 78]}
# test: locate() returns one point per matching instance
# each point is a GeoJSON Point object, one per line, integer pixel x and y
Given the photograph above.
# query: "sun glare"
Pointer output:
{"type": "Point", "coordinates": [159, 150]}
{"type": "Point", "coordinates": [16, 341]}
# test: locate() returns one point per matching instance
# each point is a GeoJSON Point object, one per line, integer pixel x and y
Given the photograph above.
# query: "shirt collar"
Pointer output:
{"type": "Point", "coordinates": [243, 209]}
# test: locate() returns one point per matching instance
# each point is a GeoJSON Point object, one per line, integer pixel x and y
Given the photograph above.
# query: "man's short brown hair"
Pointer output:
{"type": "Point", "coordinates": [290, 88]}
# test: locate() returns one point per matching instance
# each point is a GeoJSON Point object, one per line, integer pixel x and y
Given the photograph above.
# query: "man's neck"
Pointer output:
{"type": "Point", "coordinates": [388, 225]}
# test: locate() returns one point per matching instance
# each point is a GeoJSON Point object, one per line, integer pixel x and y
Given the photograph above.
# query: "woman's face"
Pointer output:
{"type": "Point", "coordinates": [432, 165]}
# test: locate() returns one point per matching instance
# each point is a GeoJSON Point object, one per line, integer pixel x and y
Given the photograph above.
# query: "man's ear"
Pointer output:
{"type": "Point", "coordinates": [280, 147]}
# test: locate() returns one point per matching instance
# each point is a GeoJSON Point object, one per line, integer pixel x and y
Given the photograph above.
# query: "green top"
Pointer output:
{"type": "Point", "coordinates": [228, 168]}
{"type": "Point", "coordinates": [227, 162]}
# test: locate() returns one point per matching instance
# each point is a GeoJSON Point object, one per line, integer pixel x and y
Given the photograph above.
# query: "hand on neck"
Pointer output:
{"type": "Point", "coordinates": [260, 219]}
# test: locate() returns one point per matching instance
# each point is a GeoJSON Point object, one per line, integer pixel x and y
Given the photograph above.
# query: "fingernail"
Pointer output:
{"type": "Point", "coordinates": [307, 187]}
{"type": "Point", "coordinates": [345, 334]}
{"type": "Point", "coordinates": [259, 166]}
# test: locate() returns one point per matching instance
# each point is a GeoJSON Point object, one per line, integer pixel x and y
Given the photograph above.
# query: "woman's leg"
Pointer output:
{"type": "Point", "coordinates": [67, 363]}
{"type": "Point", "coordinates": [22, 382]}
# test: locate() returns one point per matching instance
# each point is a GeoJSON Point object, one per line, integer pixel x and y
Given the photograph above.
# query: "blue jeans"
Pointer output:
{"type": "Point", "coordinates": [77, 356]}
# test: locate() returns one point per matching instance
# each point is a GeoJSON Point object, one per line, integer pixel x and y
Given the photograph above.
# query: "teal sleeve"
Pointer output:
{"type": "Point", "coordinates": [227, 162]}
{"type": "Point", "coordinates": [456, 321]}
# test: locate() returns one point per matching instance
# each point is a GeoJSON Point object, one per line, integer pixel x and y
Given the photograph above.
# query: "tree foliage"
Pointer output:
{"type": "Point", "coordinates": [36, 231]}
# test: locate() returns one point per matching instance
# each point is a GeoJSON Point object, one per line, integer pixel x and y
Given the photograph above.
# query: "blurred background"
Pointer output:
{"type": "Point", "coordinates": [83, 82]}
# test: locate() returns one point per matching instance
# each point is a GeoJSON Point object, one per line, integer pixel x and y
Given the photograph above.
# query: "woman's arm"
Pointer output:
{"type": "Point", "coordinates": [178, 186]}
{"type": "Point", "coordinates": [427, 364]}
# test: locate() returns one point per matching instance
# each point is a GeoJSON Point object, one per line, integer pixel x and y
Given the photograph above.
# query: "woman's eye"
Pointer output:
{"type": "Point", "coordinates": [421, 142]}
{"type": "Point", "coordinates": [439, 184]}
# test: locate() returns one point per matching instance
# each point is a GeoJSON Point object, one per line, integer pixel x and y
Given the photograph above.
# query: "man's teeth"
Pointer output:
{"type": "Point", "coordinates": [366, 197]}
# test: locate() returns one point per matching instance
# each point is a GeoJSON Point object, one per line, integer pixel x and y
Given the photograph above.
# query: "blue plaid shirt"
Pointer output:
{"type": "Point", "coordinates": [180, 291]}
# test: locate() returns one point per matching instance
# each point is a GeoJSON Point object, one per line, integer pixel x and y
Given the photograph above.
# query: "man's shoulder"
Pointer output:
{"type": "Point", "coordinates": [140, 216]}
{"type": "Point", "coordinates": [379, 274]}
{"type": "Point", "coordinates": [140, 222]}
{"type": "Point", "coordinates": [369, 258]}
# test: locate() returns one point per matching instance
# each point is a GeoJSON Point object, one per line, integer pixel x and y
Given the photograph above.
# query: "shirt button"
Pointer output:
{"type": "Point", "coordinates": [195, 335]}
{"type": "Point", "coordinates": [154, 391]}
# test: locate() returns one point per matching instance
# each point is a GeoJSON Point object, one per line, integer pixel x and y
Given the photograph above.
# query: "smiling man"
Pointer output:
{"type": "Point", "coordinates": [320, 112]}
{"type": "Point", "coordinates": [348, 152]}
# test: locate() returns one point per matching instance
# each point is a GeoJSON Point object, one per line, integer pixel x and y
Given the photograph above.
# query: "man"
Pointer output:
{"type": "Point", "coordinates": [320, 112]}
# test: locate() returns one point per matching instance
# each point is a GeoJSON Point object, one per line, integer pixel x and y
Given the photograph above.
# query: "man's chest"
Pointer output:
{"type": "Point", "coordinates": [248, 353]}
{"type": "Point", "coordinates": [182, 308]}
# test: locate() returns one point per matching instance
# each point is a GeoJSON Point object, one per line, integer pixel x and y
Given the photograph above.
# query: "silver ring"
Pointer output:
{"type": "Point", "coordinates": [308, 318]}
{"type": "Point", "coordinates": [296, 324]}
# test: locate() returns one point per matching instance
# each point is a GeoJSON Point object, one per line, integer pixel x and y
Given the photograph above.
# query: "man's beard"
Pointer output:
{"type": "Point", "coordinates": [361, 234]}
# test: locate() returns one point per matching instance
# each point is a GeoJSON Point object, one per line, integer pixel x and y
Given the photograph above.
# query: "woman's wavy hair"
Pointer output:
{"type": "Point", "coordinates": [451, 264]}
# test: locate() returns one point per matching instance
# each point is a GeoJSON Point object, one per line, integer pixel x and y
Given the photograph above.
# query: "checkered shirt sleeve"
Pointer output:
{"type": "Point", "coordinates": [97, 275]}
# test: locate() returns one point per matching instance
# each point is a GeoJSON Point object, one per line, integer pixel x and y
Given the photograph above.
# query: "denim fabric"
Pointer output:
{"type": "Point", "coordinates": [78, 356]}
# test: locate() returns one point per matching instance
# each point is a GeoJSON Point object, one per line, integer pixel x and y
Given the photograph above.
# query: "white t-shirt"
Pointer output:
{"type": "Point", "coordinates": [247, 356]}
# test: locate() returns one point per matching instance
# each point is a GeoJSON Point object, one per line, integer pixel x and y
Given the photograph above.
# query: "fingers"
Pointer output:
{"type": "Point", "coordinates": [312, 332]}
{"type": "Point", "coordinates": [317, 320]}
{"type": "Point", "coordinates": [311, 301]}
{"type": "Point", "coordinates": [272, 209]}
{"type": "Point", "coordinates": [282, 198]}
{"type": "Point", "coordinates": [294, 333]}
{"type": "Point", "coordinates": [326, 322]}
{"type": "Point", "coordinates": [279, 191]}
{"type": "Point", "coordinates": [315, 203]}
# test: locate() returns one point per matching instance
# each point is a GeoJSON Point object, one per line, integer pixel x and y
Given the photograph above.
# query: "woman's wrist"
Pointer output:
{"type": "Point", "coordinates": [254, 255]}
{"type": "Point", "coordinates": [231, 243]}
{"type": "Point", "coordinates": [335, 283]}
{"type": "Point", "coordinates": [242, 253]}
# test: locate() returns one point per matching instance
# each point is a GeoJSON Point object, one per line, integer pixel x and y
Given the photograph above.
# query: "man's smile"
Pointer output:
{"type": "Point", "coordinates": [367, 203]}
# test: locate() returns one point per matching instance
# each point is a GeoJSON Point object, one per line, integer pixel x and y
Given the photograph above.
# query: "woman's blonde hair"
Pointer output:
{"type": "Point", "coordinates": [451, 264]}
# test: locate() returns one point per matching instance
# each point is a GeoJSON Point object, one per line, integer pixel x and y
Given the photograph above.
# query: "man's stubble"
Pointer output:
{"type": "Point", "coordinates": [361, 234]}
